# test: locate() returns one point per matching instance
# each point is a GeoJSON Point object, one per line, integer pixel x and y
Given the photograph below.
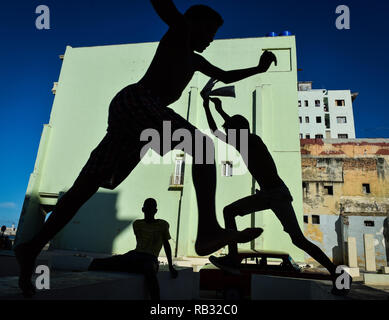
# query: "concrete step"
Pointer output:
{"type": "Point", "coordinates": [376, 279]}
{"type": "Point", "coordinates": [69, 279]}
{"type": "Point", "coordinates": [265, 287]}
{"type": "Point", "coordinates": [93, 285]}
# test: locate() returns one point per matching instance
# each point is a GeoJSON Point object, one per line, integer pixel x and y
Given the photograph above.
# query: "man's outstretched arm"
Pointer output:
{"type": "Point", "coordinates": [211, 121]}
{"type": "Point", "coordinates": [219, 108]}
{"type": "Point", "coordinates": [210, 70]}
{"type": "Point", "coordinates": [168, 12]}
{"type": "Point", "coordinates": [168, 252]}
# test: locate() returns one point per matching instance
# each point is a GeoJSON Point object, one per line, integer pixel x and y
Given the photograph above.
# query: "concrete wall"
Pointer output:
{"type": "Point", "coordinates": [356, 228]}
{"type": "Point", "coordinates": [89, 79]}
{"type": "Point", "coordinates": [346, 165]}
{"type": "Point", "coordinates": [332, 233]}
{"type": "Point", "coordinates": [327, 236]}
{"type": "Point", "coordinates": [347, 147]}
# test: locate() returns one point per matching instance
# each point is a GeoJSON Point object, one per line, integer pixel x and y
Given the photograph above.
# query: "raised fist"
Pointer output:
{"type": "Point", "coordinates": [266, 60]}
{"type": "Point", "coordinates": [217, 102]}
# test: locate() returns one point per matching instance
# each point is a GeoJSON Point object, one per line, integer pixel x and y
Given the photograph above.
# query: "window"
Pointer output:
{"type": "Point", "coordinates": [307, 136]}
{"type": "Point", "coordinates": [179, 171]}
{"type": "Point", "coordinates": [366, 188]}
{"type": "Point", "coordinates": [339, 103]}
{"type": "Point", "coordinates": [315, 219]}
{"type": "Point", "coordinates": [299, 103]}
{"type": "Point", "coordinates": [341, 120]}
{"type": "Point", "coordinates": [318, 136]}
{"type": "Point", "coordinates": [318, 119]}
{"type": "Point", "coordinates": [227, 169]}
{"type": "Point", "coordinates": [329, 190]}
{"type": "Point", "coordinates": [177, 178]}
{"type": "Point", "coordinates": [368, 223]}
{"type": "Point", "coordinates": [306, 103]}
{"type": "Point", "coordinates": [317, 103]}
{"type": "Point", "coordinates": [300, 119]}
{"type": "Point", "coordinates": [306, 119]}
{"type": "Point", "coordinates": [301, 136]}
{"type": "Point", "coordinates": [305, 189]}
{"type": "Point", "coordinates": [342, 136]}
{"type": "Point", "coordinates": [305, 219]}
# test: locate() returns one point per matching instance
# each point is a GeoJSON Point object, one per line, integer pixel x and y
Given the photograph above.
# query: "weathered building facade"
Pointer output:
{"type": "Point", "coordinates": [346, 194]}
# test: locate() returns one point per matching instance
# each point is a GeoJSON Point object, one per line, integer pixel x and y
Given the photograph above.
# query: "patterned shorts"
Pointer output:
{"type": "Point", "coordinates": [131, 111]}
{"type": "Point", "coordinates": [274, 195]}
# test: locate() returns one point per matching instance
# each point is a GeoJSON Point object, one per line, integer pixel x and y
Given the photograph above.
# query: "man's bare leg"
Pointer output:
{"type": "Point", "coordinates": [63, 212]}
{"type": "Point", "coordinates": [286, 215]}
{"type": "Point", "coordinates": [231, 262]}
{"type": "Point", "coordinates": [210, 236]}
{"type": "Point", "coordinates": [242, 207]}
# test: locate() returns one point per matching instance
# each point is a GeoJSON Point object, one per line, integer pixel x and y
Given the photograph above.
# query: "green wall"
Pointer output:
{"type": "Point", "coordinates": [89, 79]}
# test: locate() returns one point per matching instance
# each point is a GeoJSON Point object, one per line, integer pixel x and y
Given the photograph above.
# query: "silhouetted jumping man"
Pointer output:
{"type": "Point", "coordinates": [273, 193]}
{"type": "Point", "coordinates": [151, 234]}
{"type": "Point", "coordinates": [144, 105]}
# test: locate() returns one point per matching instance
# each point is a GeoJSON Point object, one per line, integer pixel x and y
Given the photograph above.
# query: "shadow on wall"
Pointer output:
{"type": "Point", "coordinates": [95, 226]}
{"type": "Point", "coordinates": [30, 216]}
{"type": "Point", "coordinates": [337, 251]}
{"type": "Point", "coordinates": [386, 237]}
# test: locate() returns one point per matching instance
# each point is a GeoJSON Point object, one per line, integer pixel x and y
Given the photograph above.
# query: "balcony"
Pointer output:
{"type": "Point", "coordinates": [325, 102]}
{"type": "Point", "coordinates": [176, 182]}
{"type": "Point", "coordinates": [327, 121]}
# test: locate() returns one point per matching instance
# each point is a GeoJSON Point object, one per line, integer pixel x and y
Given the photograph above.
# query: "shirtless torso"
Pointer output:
{"type": "Point", "coordinates": [261, 165]}
{"type": "Point", "coordinates": [173, 65]}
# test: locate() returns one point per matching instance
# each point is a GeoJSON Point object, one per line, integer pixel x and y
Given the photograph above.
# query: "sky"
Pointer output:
{"type": "Point", "coordinates": [353, 59]}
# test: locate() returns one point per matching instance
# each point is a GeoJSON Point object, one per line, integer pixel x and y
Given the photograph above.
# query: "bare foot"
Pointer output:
{"type": "Point", "coordinates": [226, 263]}
{"type": "Point", "coordinates": [249, 234]}
{"type": "Point", "coordinates": [26, 260]}
{"type": "Point", "coordinates": [211, 242]}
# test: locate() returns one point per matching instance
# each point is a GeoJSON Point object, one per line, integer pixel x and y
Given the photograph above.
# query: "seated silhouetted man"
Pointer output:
{"type": "Point", "coordinates": [150, 234]}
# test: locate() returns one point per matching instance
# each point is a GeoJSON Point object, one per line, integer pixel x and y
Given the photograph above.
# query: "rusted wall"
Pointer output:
{"type": "Point", "coordinates": [344, 166]}
{"type": "Point", "coordinates": [350, 147]}
{"type": "Point", "coordinates": [323, 169]}
{"type": "Point", "coordinates": [332, 233]}
{"type": "Point", "coordinates": [346, 177]}
{"type": "Point", "coordinates": [356, 228]}
{"type": "Point", "coordinates": [327, 236]}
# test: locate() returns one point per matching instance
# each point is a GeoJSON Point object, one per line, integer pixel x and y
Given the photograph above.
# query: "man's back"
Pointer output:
{"type": "Point", "coordinates": [151, 235]}
{"type": "Point", "coordinates": [260, 163]}
{"type": "Point", "coordinates": [172, 66]}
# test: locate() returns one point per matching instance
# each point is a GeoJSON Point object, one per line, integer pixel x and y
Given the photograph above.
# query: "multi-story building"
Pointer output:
{"type": "Point", "coordinates": [90, 77]}
{"type": "Point", "coordinates": [325, 113]}
{"type": "Point", "coordinates": [346, 194]}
